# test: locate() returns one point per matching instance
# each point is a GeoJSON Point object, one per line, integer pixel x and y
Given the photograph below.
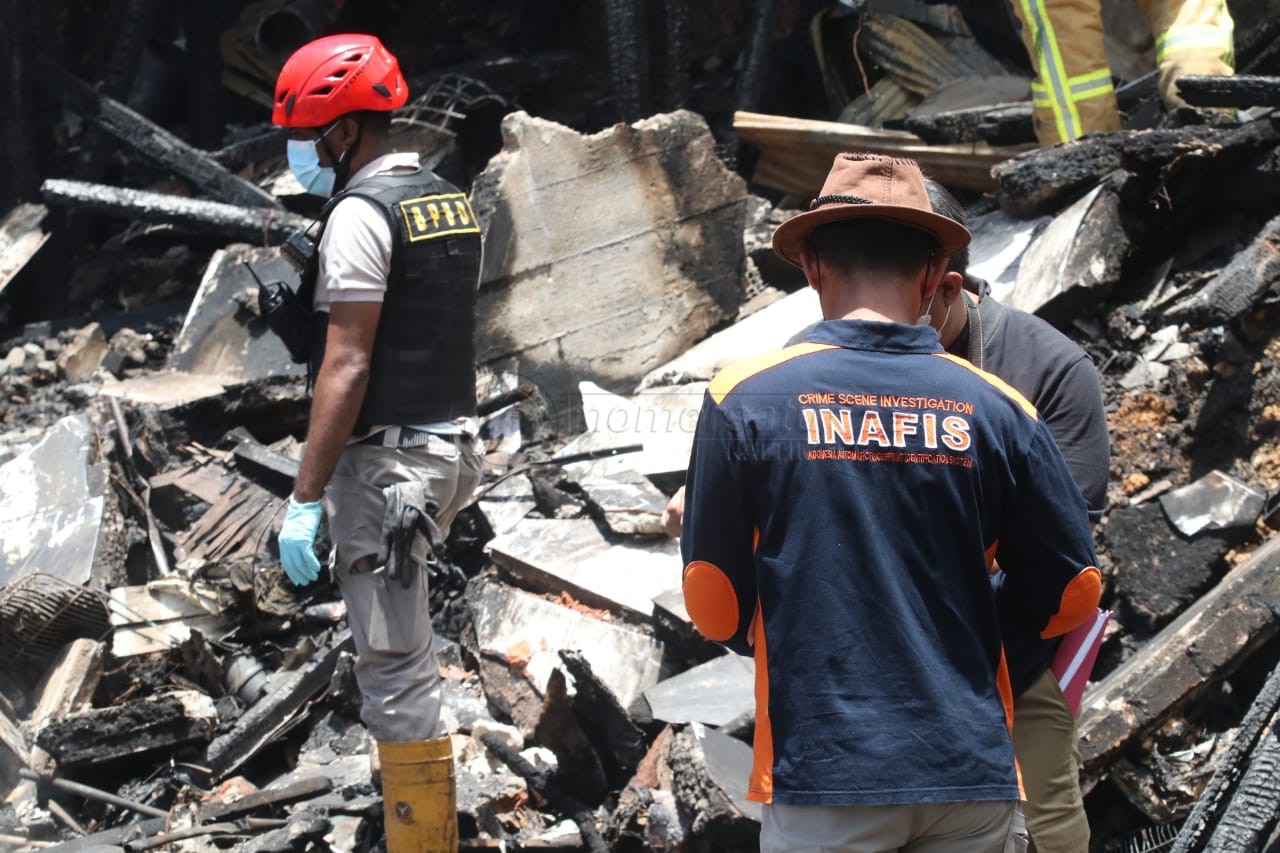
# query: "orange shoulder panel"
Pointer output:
{"type": "Point", "coordinates": [996, 382]}
{"type": "Point", "coordinates": [738, 372]}
{"type": "Point", "coordinates": [1079, 602]}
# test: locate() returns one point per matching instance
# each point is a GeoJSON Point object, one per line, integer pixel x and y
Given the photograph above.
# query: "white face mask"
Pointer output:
{"type": "Point", "coordinates": [304, 162]}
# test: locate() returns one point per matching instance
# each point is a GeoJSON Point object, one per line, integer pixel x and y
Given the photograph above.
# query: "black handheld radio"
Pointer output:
{"type": "Point", "coordinates": [284, 314]}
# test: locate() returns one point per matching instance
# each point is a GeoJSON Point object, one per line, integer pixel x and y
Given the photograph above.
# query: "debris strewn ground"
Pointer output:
{"type": "Point", "coordinates": [165, 686]}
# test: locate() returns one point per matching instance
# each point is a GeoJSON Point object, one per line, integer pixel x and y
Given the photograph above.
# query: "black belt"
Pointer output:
{"type": "Point", "coordinates": [405, 437]}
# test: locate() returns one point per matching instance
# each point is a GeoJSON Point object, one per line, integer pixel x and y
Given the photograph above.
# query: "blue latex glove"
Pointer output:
{"type": "Point", "coordinates": [297, 540]}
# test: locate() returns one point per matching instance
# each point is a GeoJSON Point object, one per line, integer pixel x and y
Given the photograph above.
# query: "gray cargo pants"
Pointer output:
{"type": "Point", "coordinates": [398, 676]}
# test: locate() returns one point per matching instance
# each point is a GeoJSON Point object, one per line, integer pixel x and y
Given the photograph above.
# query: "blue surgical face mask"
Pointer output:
{"type": "Point", "coordinates": [304, 162]}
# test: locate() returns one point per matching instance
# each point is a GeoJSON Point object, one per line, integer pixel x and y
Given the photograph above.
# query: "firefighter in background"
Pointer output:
{"type": "Point", "coordinates": [1072, 94]}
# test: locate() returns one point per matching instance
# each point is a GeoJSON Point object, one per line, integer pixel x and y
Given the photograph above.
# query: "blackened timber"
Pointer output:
{"type": "Point", "coordinates": [274, 713]}
{"type": "Point", "coordinates": [303, 789]}
{"type": "Point", "coordinates": [162, 146]}
{"type": "Point", "coordinates": [101, 734]}
{"type": "Point", "coordinates": [1247, 279]}
{"type": "Point", "coordinates": [1216, 796]}
{"type": "Point", "coordinates": [1044, 180]}
{"type": "Point", "coordinates": [617, 739]}
{"type": "Point", "coordinates": [1239, 91]}
{"type": "Point", "coordinates": [229, 220]}
{"type": "Point", "coordinates": [1253, 812]}
{"type": "Point", "coordinates": [1205, 644]}
{"type": "Point", "coordinates": [545, 787]}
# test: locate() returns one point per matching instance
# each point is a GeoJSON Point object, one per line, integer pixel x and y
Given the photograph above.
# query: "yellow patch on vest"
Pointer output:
{"type": "Point", "coordinates": [434, 216]}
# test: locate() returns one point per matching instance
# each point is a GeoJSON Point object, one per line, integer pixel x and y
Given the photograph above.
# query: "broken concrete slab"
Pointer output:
{"type": "Point", "coordinates": [1216, 501]}
{"type": "Point", "coordinates": [223, 335]}
{"type": "Point", "coordinates": [1076, 259]}
{"type": "Point", "coordinates": [162, 614]}
{"type": "Point", "coordinates": [52, 501]}
{"type": "Point", "coordinates": [638, 228]}
{"type": "Point", "coordinates": [1144, 374]}
{"type": "Point", "coordinates": [84, 354]}
{"type": "Point", "coordinates": [517, 626]}
{"type": "Point", "coordinates": [158, 721]}
{"type": "Point", "coordinates": [167, 389]}
{"type": "Point", "coordinates": [767, 329]}
{"type": "Point", "coordinates": [713, 693]}
{"type": "Point", "coordinates": [507, 503]}
{"type": "Point", "coordinates": [571, 555]}
{"type": "Point", "coordinates": [661, 420]}
{"type": "Point", "coordinates": [1204, 644]}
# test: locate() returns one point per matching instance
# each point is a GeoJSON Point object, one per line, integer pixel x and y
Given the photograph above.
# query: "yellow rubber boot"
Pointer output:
{"type": "Point", "coordinates": [419, 796]}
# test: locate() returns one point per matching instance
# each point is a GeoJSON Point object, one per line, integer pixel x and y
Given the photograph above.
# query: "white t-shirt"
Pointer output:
{"type": "Point", "coordinates": [355, 260]}
{"type": "Point", "coordinates": [355, 249]}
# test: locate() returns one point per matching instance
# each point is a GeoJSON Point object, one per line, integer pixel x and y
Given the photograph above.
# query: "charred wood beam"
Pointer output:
{"type": "Point", "coordinates": [202, 27]}
{"type": "Point", "coordinates": [1247, 279]}
{"type": "Point", "coordinates": [606, 723]}
{"type": "Point", "coordinates": [268, 144]}
{"type": "Point", "coordinates": [1239, 91]}
{"type": "Point", "coordinates": [274, 713]}
{"type": "Point", "coordinates": [546, 789]}
{"type": "Point", "coordinates": [258, 224]}
{"type": "Point", "coordinates": [19, 176]}
{"type": "Point", "coordinates": [160, 145]}
{"type": "Point", "coordinates": [755, 69]}
{"type": "Point", "coordinates": [101, 734]}
{"type": "Point", "coordinates": [303, 789]}
{"type": "Point", "coordinates": [136, 20]}
{"type": "Point", "coordinates": [1216, 796]}
{"type": "Point", "coordinates": [114, 837]}
{"type": "Point", "coordinates": [629, 58]}
{"type": "Point", "coordinates": [1251, 817]}
{"type": "Point", "coordinates": [240, 827]}
{"type": "Point", "coordinates": [1206, 643]}
{"type": "Point", "coordinates": [91, 793]}
{"type": "Point", "coordinates": [1046, 179]}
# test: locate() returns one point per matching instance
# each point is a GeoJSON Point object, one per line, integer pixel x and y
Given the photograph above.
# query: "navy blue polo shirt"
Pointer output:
{"type": "Point", "coordinates": [846, 497]}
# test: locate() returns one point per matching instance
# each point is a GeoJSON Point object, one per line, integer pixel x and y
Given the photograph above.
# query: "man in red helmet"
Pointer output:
{"type": "Point", "coordinates": [391, 445]}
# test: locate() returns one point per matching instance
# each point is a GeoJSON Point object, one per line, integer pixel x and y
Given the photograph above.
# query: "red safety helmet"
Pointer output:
{"type": "Point", "coordinates": [332, 76]}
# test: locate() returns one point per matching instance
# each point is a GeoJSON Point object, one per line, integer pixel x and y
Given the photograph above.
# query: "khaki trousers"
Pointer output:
{"type": "Point", "coordinates": [1073, 94]}
{"type": "Point", "coordinates": [398, 675]}
{"type": "Point", "coordinates": [983, 827]}
{"type": "Point", "coordinates": [1044, 739]}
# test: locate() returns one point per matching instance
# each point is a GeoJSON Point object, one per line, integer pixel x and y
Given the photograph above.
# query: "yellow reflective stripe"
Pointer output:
{"type": "Point", "coordinates": [1051, 69]}
{"type": "Point", "coordinates": [1097, 88]}
{"type": "Point", "coordinates": [1103, 73]}
{"type": "Point", "coordinates": [1083, 87]}
{"type": "Point", "coordinates": [1182, 38]}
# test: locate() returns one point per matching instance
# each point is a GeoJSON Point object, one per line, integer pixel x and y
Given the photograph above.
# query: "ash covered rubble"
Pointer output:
{"type": "Point", "coordinates": [168, 689]}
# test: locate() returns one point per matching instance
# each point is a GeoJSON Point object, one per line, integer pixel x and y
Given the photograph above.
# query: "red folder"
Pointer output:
{"type": "Point", "coordinates": [1076, 654]}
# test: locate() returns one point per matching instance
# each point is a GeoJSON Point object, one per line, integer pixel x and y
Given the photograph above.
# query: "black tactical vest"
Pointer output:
{"type": "Point", "coordinates": [423, 367]}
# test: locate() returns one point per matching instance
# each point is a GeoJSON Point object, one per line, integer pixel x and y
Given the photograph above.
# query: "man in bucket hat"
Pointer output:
{"type": "Point", "coordinates": [847, 497]}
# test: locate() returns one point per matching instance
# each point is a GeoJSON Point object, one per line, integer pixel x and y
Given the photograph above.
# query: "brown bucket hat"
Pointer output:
{"type": "Point", "coordinates": [870, 186]}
